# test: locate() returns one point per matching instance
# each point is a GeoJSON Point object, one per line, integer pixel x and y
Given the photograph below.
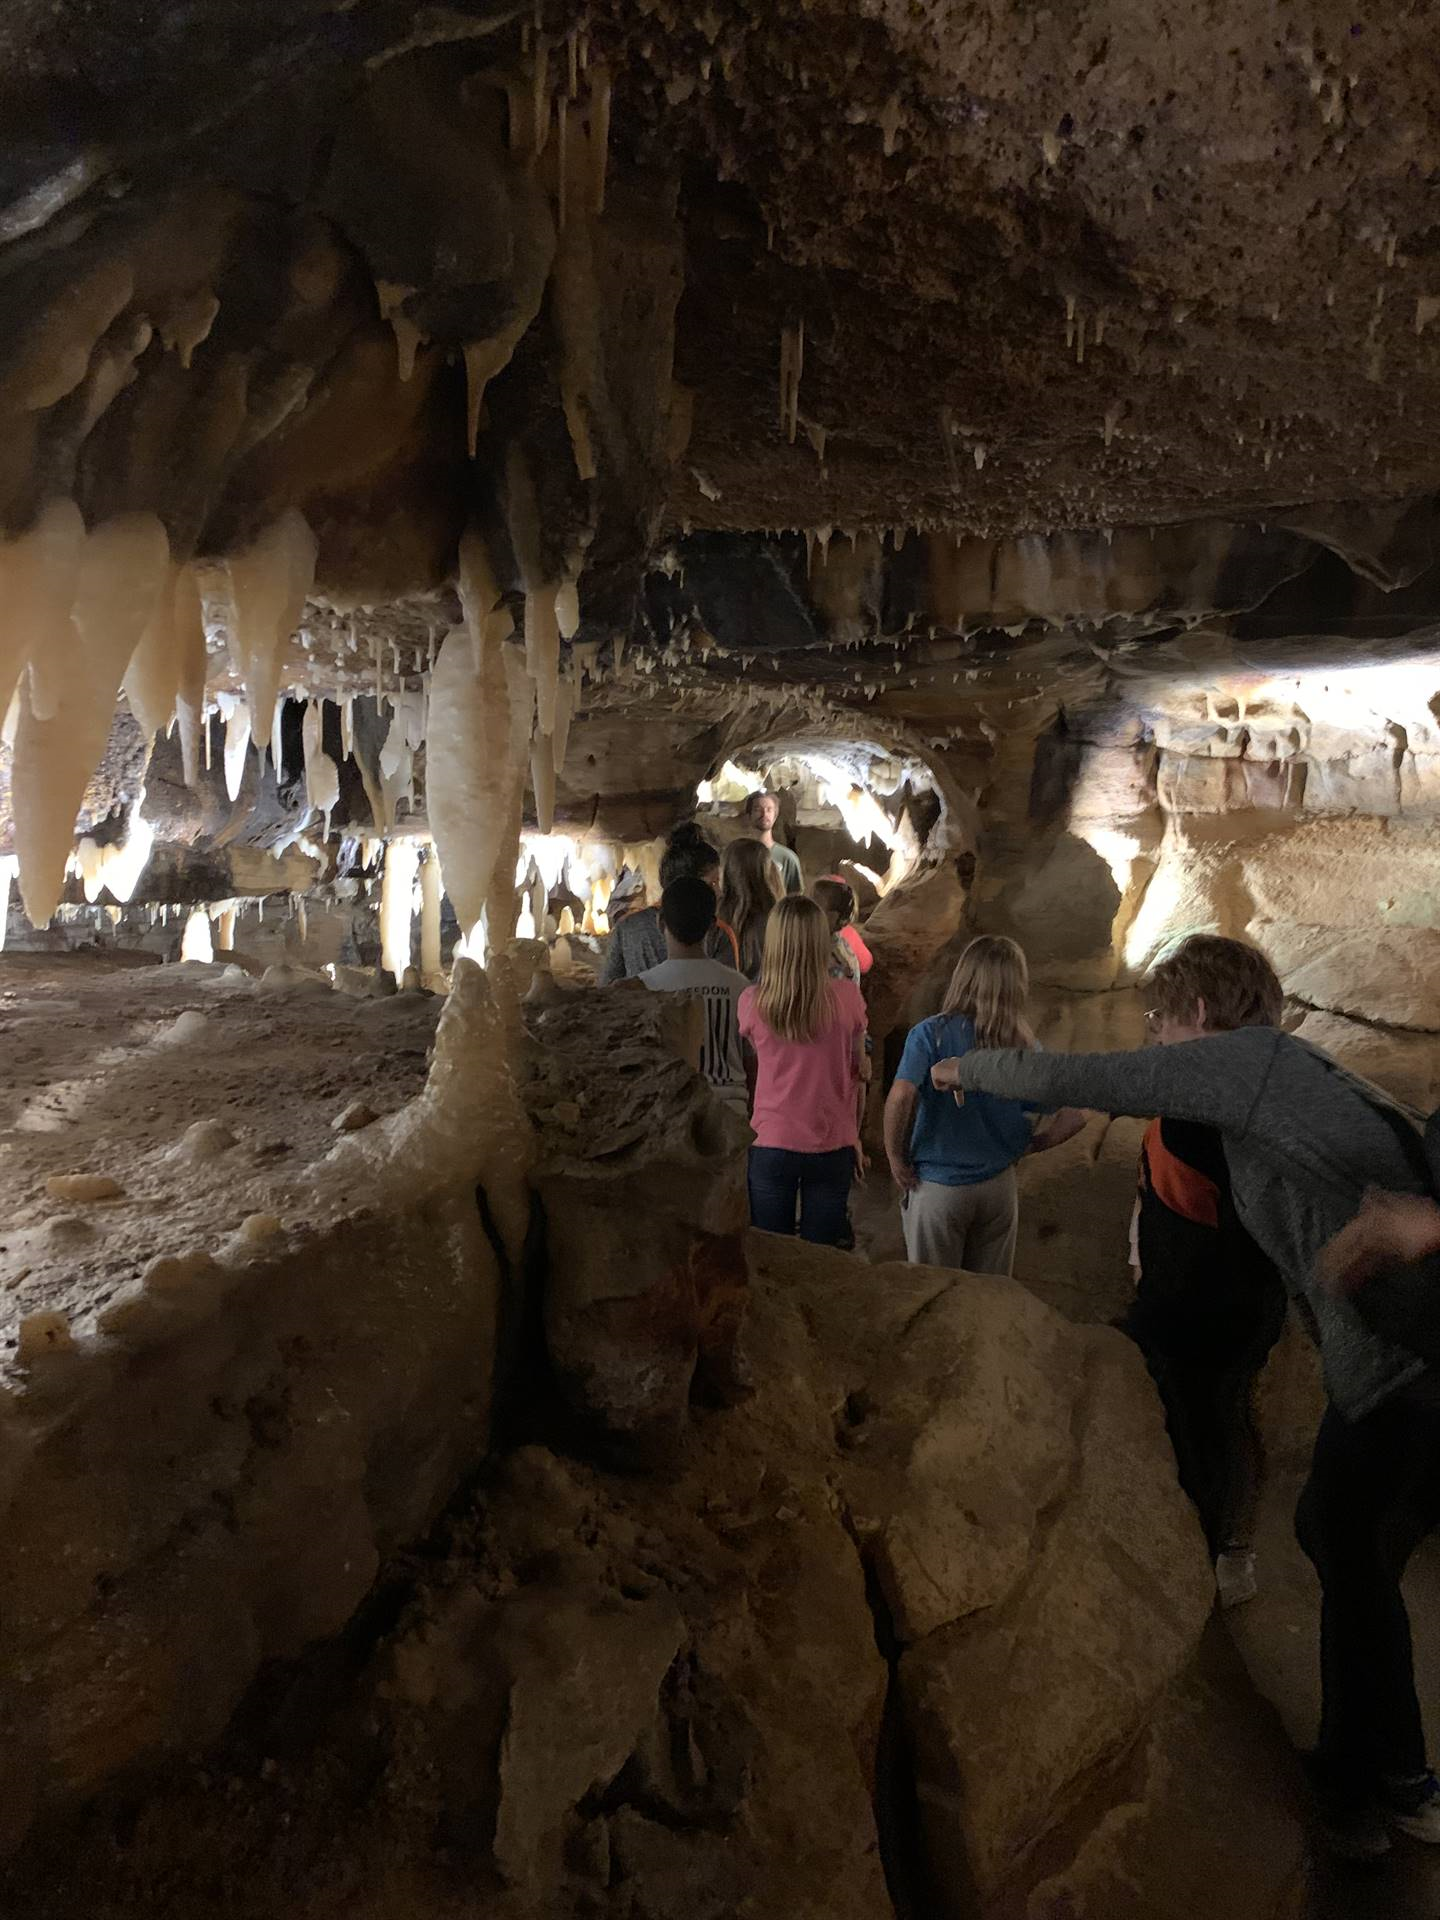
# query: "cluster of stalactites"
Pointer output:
{"type": "Point", "coordinates": [85, 613]}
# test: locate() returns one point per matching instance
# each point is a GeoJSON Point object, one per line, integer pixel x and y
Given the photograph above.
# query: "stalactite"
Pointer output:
{"type": "Point", "coordinates": [600, 86]}
{"type": "Point", "coordinates": [542, 654]}
{"type": "Point", "coordinates": [123, 568]}
{"type": "Point", "coordinates": [269, 583]}
{"type": "Point", "coordinates": [237, 741]}
{"type": "Point", "coordinates": [322, 776]}
{"type": "Point", "coordinates": [477, 748]}
{"type": "Point", "coordinates": [37, 588]}
{"type": "Point", "coordinates": [189, 618]}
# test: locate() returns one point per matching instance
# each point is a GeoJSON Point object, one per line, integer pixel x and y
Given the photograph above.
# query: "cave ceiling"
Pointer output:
{"type": "Point", "coordinates": [921, 352]}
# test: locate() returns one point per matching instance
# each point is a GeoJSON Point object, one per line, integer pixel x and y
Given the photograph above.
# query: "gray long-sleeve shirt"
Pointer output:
{"type": "Point", "coordinates": [1303, 1139]}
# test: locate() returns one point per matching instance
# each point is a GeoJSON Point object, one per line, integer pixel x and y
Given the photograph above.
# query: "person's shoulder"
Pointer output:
{"type": "Point", "coordinates": [849, 996]}
{"type": "Point", "coordinates": [727, 976]}
{"type": "Point", "coordinates": [637, 924]}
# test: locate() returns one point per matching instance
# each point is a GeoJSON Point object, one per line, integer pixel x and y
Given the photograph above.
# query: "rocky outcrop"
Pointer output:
{"type": "Point", "coordinates": [1008, 1480]}
{"type": "Point", "coordinates": [936, 1569]}
{"type": "Point", "coordinates": [642, 1180]}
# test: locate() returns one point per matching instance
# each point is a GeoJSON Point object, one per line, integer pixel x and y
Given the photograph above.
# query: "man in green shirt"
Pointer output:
{"type": "Point", "coordinates": [762, 810]}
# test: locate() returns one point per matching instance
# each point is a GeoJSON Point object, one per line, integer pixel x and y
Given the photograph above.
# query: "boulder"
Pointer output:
{"type": "Point", "coordinates": [642, 1178]}
{"type": "Point", "coordinates": [1009, 1479]}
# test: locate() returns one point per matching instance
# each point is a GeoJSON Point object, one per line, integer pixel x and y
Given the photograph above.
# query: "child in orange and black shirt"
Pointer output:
{"type": "Point", "coordinates": [1208, 1308]}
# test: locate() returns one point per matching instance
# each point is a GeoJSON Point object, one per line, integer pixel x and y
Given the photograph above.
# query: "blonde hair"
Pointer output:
{"type": "Point", "coordinates": [749, 888]}
{"type": "Point", "coordinates": [793, 997]}
{"type": "Point", "coordinates": [990, 985]}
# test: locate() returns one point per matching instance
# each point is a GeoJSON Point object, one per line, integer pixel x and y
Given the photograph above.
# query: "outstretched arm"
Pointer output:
{"type": "Point", "coordinates": [1214, 1080]}
{"type": "Point", "coordinates": [1057, 1129]}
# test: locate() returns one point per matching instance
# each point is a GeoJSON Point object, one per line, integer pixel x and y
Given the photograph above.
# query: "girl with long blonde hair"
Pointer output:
{"type": "Point", "coordinates": [806, 1032]}
{"type": "Point", "coordinates": [749, 887]}
{"type": "Point", "coordinates": [955, 1164]}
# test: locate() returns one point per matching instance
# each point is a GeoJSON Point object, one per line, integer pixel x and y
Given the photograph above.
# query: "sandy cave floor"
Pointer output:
{"type": "Point", "coordinates": [201, 1094]}
{"type": "Point", "coordinates": [1210, 1823]}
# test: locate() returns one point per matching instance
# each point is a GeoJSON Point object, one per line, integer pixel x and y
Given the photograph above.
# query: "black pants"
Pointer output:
{"type": "Point", "coordinates": [1372, 1496]}
{"type": "Point", "coordinates": [819, 1181]}
{"type": "Point", "coordinates": [1206, 1380]}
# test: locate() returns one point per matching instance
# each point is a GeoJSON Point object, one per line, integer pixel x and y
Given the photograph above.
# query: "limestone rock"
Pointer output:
{"type": "Point", "coordinates": [1406, 1065]}
{"type": "Point", "coordinates": [908, 933]}
{"type": "Point", "coordinates": [1011, 1481]}
{"type": "Point", "coordinates": [1388, 977]}
{"type": "Point", "coordinates": [630, 1134]}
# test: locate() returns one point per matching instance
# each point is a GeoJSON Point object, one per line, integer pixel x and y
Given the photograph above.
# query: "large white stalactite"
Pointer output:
{"type": "Point", "coordinates": [122, 574]}
{"type": "Point", "coordinates": [268, 585]}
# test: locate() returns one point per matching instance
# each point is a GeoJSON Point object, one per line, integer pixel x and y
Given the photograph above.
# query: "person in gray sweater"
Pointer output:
{"type": "Point", "coordinates": [1305, 1141]}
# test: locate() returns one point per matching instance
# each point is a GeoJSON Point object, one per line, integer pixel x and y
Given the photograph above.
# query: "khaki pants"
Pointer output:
{"type": "Point", "coordinates": [969, 1227]}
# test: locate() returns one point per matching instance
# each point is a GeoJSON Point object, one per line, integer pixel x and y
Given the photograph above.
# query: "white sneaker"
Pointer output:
{"type": "Point", "coordinates": [1235, 1580]}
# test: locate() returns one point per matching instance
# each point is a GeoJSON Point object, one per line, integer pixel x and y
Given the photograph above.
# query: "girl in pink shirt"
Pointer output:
{"type": "Point", "coordinates": [807, 1033]}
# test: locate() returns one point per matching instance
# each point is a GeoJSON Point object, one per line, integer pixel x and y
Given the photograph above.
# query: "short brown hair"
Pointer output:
{"type": "Point", "coordinates": [1239, 986]}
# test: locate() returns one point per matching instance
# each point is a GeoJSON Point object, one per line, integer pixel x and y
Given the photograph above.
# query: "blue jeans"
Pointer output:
{"type": "Point", "coordinates": [820, 1180]}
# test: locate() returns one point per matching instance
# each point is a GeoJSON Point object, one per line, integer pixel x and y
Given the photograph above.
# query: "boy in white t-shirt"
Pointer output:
{"type": "Point", "coordinates": [687, 913]}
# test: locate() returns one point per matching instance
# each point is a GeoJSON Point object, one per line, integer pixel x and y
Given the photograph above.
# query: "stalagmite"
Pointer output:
{"type": "Point", "coordinates": [322, 776]}
{"type": "Point", "coordinates": [269, 582]}
{"type": "Point", "coordinates": [37, 587]}
{"type": "Point", "coordinates": [225, 927]}
{"type": "Point", "coordinates": [122, 570]}
{"type": "Point", "coordinates": [431, 888]}
{"type": "Point", "coordinates": [477, 750]}
{"type": "Point", "coordinates": [467, 1128]}
{"type": "Point", "coordinates": [397, 904]}
{"type": "Point", "coordinates": [190, 656]}
{"type": "Point", "coordinates": [195, 940]}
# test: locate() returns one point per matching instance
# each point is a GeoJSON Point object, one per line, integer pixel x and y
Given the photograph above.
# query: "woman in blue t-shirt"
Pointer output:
{"type": "Point", "coordinates": [955, 1164]}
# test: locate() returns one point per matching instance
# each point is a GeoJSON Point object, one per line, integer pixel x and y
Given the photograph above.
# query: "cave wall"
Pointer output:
{"type": "Point", "coordinates": [1302, 818]}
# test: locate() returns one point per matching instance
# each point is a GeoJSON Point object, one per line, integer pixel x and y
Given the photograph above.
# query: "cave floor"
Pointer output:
{"type": "Point", "coordinates": [1216, 1827]}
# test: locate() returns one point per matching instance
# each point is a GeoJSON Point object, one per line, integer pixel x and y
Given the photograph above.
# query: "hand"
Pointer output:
{"type": "Point", "coordinates": [945, 1077]}
{"type": "Point", "coordinates": [904, 1176]}
{"type": "Point", "coordinates": [1391, 1229]}
{"type": "Point", "coordinates": [862, 1162]}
